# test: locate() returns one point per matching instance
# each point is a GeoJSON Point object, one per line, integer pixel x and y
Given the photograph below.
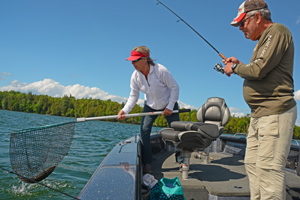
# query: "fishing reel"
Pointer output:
{"type": "Point", "coordinates": [218, 67]}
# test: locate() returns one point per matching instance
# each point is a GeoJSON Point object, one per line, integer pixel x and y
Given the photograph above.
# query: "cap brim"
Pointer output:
{"type": "Point", "coordinates": [237, 20]}
{"type": "Point", "coordinates": [132, 58]}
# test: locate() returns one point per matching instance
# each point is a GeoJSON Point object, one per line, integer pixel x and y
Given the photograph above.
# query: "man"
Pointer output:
{"type": "Point", "coordinates": [268, 90]}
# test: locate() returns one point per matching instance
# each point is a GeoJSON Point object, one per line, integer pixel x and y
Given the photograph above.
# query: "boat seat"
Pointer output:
{"type": "Point", "coordinates": [187, 136]}
{"type": "Point", "coordinates": [190, 134]}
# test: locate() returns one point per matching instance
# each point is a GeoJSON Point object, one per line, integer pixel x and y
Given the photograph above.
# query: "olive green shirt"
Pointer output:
{"type": "Point", "coordinates": [268, 86]}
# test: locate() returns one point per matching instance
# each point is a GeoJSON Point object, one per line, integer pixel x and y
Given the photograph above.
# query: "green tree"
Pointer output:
{"type": "Point", "coordinates": [4, 103]}
{"type": "Point", "coordinates": [28, 106]}
{"type": "Point", "coordinates": [71, 107]}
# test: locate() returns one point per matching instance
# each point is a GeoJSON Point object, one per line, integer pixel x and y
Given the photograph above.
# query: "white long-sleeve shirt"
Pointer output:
{"type": "Point", "coordinates": [161, 90]}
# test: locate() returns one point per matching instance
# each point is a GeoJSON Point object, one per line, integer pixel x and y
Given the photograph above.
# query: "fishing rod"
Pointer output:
{"type": "Point", "coordinates": [217, 67]}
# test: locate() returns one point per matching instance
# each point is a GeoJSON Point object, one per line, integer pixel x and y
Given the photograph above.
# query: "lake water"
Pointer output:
{"type": "Point", "coordinates": [92, 141]}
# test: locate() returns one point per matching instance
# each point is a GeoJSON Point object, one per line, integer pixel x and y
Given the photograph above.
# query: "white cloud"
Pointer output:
{"type": "Point", "coordinates": [53, 88]}
{"type": "Point", "coordinates": [298, 21]}
{"type": "Point", "coordinates": [5, 74]}
{"type": "Point", "coordinates": [184, 105]}
{"type": "Point", "coordinates": [236, 112]}
{"type": "Point", "coordinates": [297, 95]}
{"type": "Point", "coordinates": [298, 122]}
{"type": "Point", "coordinates": [16, 83]}
{"type": "Point", "coordinates": [75, 75]}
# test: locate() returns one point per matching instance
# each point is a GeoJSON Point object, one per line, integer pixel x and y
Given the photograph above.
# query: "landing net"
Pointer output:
{"type": "Point", "coordinates": [34, 153]}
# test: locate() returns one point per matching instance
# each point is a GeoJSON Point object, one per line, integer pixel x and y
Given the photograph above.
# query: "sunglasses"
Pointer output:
{"type": "Point", "coordinates": [243, 21]}
{"type": "Point", "coordinates": [138, 59]}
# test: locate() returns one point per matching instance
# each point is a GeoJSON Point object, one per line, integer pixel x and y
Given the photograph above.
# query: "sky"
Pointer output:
{"type": "Point", "coordinates": [79, 47]}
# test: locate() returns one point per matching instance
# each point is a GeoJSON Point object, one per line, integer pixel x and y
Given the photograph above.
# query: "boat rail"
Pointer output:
{"type": "Point", "coordinates": [296, 142]}
{"type": "Point", "coordinates": [242, 134]}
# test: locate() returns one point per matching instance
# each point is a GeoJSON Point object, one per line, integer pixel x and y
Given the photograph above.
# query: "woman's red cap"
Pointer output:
{"type": "Point", "coordinates": [136, 55]}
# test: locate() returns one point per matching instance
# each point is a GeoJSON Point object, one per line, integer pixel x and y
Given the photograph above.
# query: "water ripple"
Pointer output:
{"type": "Point", "coordinates": [92, 141]}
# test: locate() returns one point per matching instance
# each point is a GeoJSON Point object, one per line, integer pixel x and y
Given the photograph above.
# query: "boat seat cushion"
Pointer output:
{"type": "Point", "coordinates": [210, 131]}
{"type": "Point", "coordinates": [190, 135]}
{"type": "Point", "coordinates": [170, 134]}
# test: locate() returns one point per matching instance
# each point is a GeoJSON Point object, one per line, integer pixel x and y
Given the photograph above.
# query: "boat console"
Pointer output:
{"type": "Point", "coordinates": [212, 117]}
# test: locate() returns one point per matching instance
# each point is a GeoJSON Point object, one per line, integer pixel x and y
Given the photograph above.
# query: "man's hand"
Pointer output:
{"type": "Point", "coordinates": [232, 60]}
{"type": "Point", "coordinates": [228, 65]}
{"type": "Point", "coordinates": [228, 70]}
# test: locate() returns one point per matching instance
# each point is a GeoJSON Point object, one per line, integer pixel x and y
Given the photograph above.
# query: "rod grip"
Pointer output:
{"type": "Point", "coordinates": [184, 110]}
{"type": "Point", "coordinates": [222, 56]}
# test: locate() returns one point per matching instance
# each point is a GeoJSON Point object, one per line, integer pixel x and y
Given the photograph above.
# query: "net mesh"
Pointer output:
{"type": "Point", "coordinates": [34, 153]}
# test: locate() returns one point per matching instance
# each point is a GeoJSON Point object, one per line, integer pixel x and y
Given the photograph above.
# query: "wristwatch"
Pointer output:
{"type": "Point", "coordinates": [233, 67]}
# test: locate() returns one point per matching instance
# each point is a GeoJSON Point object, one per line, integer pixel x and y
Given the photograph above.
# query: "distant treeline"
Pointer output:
{"type": "Point", "coordinates": [69, 106]}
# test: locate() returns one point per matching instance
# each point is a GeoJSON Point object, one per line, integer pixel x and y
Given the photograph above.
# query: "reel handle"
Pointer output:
{"type": "Point", "coordinates": [218, 67]}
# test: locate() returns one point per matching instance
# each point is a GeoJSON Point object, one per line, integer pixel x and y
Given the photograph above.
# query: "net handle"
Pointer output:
{"type": "Point", "coordinates": [129, 115]}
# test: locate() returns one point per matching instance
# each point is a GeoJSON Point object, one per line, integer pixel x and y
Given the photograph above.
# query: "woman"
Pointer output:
{"type": "Point", "coordinates": [161, 94]}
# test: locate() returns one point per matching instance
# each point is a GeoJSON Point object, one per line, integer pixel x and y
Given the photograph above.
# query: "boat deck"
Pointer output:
{"type": "Point", "coordinates": [223, 178]}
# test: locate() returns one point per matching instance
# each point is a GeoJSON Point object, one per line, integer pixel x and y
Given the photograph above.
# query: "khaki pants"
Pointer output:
{"type": "Point", "coordinates": [268, 145]}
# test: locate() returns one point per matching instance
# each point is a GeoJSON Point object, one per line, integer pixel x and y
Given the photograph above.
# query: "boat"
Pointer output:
{"type": "Point", "coordinates": [214, 172]}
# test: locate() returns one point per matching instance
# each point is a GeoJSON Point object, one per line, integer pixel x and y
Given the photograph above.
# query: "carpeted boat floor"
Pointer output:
{"type": "Point", "coordinates": [224, 177]}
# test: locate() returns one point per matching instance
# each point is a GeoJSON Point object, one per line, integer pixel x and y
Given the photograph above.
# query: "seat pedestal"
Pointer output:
{"type": "Point", "coordinates": [188, 136]}
{"type": "Point", "coordinates": [206, 156]}
{"type": "Point", "coordinates": [186, 155]}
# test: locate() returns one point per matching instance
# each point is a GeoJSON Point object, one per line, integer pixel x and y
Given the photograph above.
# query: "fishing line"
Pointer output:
{"type": "Point", "coordinates": [31, 180]}
{"type": "Point", "coordinates": [220, 54]}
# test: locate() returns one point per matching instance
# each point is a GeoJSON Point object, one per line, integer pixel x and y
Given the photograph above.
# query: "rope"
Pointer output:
{"type": "Point", "coordinates": [39, 183]}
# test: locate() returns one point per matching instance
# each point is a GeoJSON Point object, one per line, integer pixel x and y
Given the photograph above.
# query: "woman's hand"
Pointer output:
{"type": "Point", "coordinates": [167, 112]}
{"type": "Point", "coordinates": [121, 115]}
